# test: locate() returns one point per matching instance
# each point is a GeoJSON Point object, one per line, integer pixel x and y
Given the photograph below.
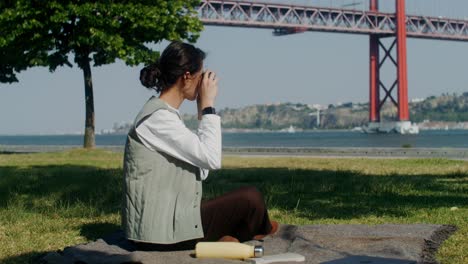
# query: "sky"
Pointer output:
{"type": "Point", "coordinates": [254, 67]}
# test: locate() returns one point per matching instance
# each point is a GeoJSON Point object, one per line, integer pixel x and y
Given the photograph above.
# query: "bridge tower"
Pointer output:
{"type": "Point", "coordinates": [374, 85]}
{"type": "Point", "coordinates": [403, 124]}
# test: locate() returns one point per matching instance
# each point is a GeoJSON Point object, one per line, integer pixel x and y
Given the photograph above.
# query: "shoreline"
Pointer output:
{"type": "Point", "coordinates": [330, 152]}
{"type": "Point", "coordinates": [235, 130]}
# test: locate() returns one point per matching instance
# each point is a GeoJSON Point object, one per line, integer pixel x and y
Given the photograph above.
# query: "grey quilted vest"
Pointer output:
{"type": "Point", "coordinates": [162, 194]}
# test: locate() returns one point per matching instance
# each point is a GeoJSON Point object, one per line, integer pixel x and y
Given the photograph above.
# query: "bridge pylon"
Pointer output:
{"type": "Point", "coordinates": [402, 124]}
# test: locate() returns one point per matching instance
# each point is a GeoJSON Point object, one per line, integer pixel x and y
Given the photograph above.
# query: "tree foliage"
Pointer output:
{"type": "Point", "coordinates": [46, 33]}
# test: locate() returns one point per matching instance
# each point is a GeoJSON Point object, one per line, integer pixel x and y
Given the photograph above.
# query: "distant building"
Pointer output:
{"type": "Point", "coordinates": [417, 100]}
{"type": "Point", "coordinates": [118, 128]}
{"type": "Point", "coordinates": [317, 106]}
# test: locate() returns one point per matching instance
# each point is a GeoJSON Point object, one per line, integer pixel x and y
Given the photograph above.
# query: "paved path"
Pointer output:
{"type": "Point", "coordinates": [449, 153]}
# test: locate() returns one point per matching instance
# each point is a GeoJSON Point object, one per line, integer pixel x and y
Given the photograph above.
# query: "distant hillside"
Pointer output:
{"type": "Point", "coordinates": [432, 111]}
{"type": "Point", "coordinates": [452, 108]}
{"type": "Point", "coordinates": [449, 108]}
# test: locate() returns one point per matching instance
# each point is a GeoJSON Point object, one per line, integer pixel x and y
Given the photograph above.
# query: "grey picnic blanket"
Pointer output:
{"type": "Point", "coordinates": [326, 244]}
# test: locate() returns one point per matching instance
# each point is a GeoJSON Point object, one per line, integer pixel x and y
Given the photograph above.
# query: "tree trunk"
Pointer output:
{"type": "Point", "coordinates": [89, 138]}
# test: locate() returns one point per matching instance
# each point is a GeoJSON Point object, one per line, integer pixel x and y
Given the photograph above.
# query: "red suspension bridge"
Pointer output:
{"type": "Point", "coordinates": [289, 19]}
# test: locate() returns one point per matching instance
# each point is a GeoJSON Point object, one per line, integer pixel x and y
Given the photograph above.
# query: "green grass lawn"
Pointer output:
{"type": "Point", "coordinates": [52, 200]}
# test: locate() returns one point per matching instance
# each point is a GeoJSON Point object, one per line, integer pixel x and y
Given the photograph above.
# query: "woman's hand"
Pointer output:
{"type": "Point", "coordinates": [208, 90]}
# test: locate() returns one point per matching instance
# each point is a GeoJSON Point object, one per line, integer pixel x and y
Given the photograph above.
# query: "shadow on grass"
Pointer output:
{"type": "Point", "coordinates": [87, 191]}
{"type": "Point", "coordinates": [343, 194]}
{"type": "Point", "coordinates": [5, 152]}
{"type": "Point", "coordinates": [67, 188]}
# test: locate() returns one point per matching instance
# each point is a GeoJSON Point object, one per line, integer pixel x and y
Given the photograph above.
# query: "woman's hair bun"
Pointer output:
{"type": "Point", "coordinates": [149, 75]}
{"type": "Point", "coordinates": [176, 59]}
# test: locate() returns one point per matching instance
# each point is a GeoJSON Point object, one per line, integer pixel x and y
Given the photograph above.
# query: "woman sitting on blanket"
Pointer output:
{"type": "Point", "coordinates": [165, 164]}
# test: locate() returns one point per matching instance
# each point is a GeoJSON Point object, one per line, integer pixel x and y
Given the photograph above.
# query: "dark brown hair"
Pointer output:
{"type": "Point", "coordinates": [175, 60]}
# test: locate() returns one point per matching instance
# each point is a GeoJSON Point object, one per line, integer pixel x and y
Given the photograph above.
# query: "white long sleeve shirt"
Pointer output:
{"type": "Point", "coordinates": [164, 131]}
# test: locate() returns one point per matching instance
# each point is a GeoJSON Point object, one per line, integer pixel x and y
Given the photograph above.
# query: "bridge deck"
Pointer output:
{"type": "Point", "coordinates": [289, 19]}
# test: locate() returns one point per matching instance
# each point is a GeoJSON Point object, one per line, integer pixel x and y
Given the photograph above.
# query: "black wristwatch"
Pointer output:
{"type": "Point", "coordinates": [208, 110]}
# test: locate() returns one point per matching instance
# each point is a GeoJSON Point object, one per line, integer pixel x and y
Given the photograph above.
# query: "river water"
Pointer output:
{"type": "Point", "coordinates": [425, 139]}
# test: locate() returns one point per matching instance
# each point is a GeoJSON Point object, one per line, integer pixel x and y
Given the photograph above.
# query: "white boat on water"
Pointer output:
{"type": "Point", "coordinates": [290, 129]}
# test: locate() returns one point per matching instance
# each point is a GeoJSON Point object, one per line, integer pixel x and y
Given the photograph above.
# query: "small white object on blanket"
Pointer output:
{"type": "Point", "coordinates": [277, 258]}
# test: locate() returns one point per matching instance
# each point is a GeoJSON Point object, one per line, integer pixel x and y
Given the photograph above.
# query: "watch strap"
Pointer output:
{"type": "Point", "coordinates": [208, 110]}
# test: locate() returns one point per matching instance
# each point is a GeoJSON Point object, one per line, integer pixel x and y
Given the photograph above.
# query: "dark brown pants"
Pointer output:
{"type": "Point", "coordinates": [240, 213]}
